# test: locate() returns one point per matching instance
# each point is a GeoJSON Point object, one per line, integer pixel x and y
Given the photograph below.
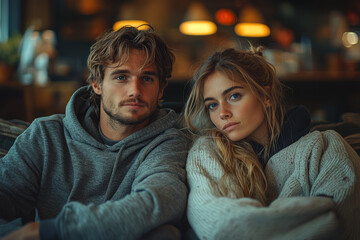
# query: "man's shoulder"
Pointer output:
{"type": "Point", "coordinates": [175, 134]}
{"type": "Point", "coordinates": [46, 124]}
{"type": "Point", "coordinates": [49, 121]}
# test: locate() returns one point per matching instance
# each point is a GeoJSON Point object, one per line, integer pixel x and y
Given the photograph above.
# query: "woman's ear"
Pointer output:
{"type": "Point", "coordinates": [96, 87]}
{"type": "Point", "coordinates": [267, 99]}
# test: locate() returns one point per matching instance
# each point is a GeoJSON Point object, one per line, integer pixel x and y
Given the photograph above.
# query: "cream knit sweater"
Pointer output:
{"type": "Point", "coordinates": [314, 194]}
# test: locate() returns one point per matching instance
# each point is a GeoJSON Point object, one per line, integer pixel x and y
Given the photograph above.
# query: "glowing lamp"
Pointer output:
{"type": "Point", "coordinates": [252, 30]}
{"type": "Point", "coordinates": [251, 23]}
{"type": "Point", "coordinates": [197, 21]}
{"type": "Point", "coordinates": [198, 28]}
{"type": "Point", "coordinates": [225, 16]}
{"type": "Point", "coordinates": [134, 23]}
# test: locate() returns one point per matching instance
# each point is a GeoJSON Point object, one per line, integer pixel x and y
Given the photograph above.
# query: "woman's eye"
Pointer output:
{"type": "Point", "coordinates": [211, 106]}
{"type": "Point", "coordinates": [234, 96]}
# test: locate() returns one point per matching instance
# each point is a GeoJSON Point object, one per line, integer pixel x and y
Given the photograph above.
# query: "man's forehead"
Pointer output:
{"type": "Point", "coordinates": [136, 58]}
{"type": "Point", "coordinates": [149, 67]}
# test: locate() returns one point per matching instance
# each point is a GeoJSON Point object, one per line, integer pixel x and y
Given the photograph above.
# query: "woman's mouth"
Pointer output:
{"type": "Point", "coordinates": [230, 126]}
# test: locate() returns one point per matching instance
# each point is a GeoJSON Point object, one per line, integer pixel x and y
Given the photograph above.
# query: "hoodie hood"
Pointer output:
{"type": "Point", "coordinates": [81, 123]}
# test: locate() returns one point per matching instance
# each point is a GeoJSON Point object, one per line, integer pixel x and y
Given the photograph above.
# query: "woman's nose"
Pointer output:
{"type": "Point", "coordinates": [224, 113]}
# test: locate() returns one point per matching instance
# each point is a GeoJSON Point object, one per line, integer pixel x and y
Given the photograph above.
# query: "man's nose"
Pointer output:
{"type": "Point", "coordinates": [135, 88]}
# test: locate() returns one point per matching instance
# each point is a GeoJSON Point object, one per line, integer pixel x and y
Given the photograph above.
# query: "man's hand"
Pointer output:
{"type": "Point", "coordinates": [28, 232]}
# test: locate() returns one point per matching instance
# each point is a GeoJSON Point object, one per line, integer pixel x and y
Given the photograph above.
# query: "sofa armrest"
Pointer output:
{"type": "Point", "coordinates": [9, 130]}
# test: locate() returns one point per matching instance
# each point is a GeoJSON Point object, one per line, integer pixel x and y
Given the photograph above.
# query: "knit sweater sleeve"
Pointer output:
{"type": "Point", "coordinates": [321, 164]}
{"type": "Point", "coordinates": [214, 217]}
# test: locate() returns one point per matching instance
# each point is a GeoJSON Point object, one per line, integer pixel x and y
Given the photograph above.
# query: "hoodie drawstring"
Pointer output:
{"type": "Point", "coordinates": [107, 193]}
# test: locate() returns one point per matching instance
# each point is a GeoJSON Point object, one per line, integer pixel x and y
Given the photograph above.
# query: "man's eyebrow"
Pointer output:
{"type": "Point", "coordinates": [226, 91]}
{"type": "Point", "coordinates": [122, 71]}
{"type": "Point", "coordinates": [151, 73]}
{"type": "Point", "coordinates": [118, 71]}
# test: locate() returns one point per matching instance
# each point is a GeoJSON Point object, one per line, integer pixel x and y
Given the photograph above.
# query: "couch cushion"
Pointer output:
{"type": "Point", "coordinates": [348, 128]}
{"type": "Point", "coordinates": [9, 130]}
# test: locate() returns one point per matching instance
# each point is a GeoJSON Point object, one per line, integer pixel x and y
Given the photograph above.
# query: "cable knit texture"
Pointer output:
{"type": "Point", "coordinates": [313, 194]}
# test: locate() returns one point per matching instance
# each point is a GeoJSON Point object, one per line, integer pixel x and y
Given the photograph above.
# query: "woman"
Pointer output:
{"type": "Point", "coordinates": [256, 172]}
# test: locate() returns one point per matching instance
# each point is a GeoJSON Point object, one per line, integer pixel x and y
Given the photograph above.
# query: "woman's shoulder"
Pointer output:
{"type": "Point", "coordinates": [315, 140]}
{"type": "Point", "coordinates": [323, 137]}
{"type": "Point", "coordinates": [202, 143]}
{"type": "Point", "coordinates": [202, 151]}
{"type": "Point", "coordinates": [320, 141]}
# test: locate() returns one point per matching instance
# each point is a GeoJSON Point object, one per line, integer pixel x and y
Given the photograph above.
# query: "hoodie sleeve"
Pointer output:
{"type": "Point", "coordinates": [20, 175]}
{"type": "Point", "coordinates": [216, 217]}
{"type": "Point", "coordinates": [158, 196]}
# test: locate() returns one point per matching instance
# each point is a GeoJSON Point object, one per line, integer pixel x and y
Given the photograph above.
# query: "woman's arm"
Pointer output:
{"type": "Point", "coordinates": [214, 217]}
{"type": "Point", "coordinates": [320, 164]}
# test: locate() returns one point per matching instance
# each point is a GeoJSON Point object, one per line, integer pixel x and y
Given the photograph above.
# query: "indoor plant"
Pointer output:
{"type": "Point", "coordinates": [9, 56]}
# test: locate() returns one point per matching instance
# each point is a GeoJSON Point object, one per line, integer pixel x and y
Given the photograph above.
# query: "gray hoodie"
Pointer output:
{"type": "Point", "coordinates": [83, 189]}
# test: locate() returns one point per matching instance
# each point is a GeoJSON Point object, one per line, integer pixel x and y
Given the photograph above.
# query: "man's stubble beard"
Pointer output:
{"type": "Point", "coordinates": [117, 118]}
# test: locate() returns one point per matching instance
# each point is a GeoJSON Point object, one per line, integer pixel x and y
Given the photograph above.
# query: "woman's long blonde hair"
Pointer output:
{"type": "Point", "coordinates": [239, 161]}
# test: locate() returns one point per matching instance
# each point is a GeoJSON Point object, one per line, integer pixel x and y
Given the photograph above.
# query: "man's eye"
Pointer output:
{"type": "Point", "coordinates": [121, 77]}
{"type": "Point", "coordinates": [148, 79]}
{"type": "Point", "coordinates": [211, 106]}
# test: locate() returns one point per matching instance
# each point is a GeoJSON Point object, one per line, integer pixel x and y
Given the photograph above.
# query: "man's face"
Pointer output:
{"type": "Point", "coordinates": [129, 94]}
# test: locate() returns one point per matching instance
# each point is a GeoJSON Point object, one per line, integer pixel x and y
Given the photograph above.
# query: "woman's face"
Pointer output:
{"type": "Point", "coordinates": [234, 109]}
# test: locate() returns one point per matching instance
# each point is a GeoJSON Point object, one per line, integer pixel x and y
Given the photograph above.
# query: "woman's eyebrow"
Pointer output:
{"type": "Point", "coordinates": [226, 91]}
{"type": "Point", "coordinates": [229, 90]}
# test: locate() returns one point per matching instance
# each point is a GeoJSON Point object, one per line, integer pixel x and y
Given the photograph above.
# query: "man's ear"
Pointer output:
{"type": "Point", "coordinates": [96, 87]}
{"type": "Point", "coordinates": [161, 92]}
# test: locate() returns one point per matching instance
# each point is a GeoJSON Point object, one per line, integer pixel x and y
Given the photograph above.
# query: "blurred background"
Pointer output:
{"type": "Point", "coordinates": [314, 46]}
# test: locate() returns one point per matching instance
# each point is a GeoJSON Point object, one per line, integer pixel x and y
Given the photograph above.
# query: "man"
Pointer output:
{"type": "Point", "coordinates": [112, 167]}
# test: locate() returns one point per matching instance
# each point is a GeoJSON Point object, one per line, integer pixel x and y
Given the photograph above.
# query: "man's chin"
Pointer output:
{"type": "Point", "coordinates": [131, 120]}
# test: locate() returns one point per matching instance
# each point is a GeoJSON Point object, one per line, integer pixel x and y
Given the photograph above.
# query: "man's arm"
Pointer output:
{"type": "Point", "coordinates": [19, 178]}
{"type": "Point", "coordinates": [158, 196]}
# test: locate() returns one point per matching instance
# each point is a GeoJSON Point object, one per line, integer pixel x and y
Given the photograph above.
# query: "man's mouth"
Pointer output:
{"type": "Point", "coordinates": [134, 103]}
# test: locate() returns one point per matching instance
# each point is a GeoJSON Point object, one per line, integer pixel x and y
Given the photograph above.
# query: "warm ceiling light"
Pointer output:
{"type": "Point", "coordinates": [198, 28]}
{"type": "Point", "coordinates": [197, 21]}
{"type": "Point", "coordinates": [251, 23]}
{"type": "Point", "coordinates": [134, 23]}
{"type": "Point", "coordinates": [252, 30]}
{"type": "Point", "coordinates": [225, 16]}
{"type": "Point", "coordinates": [128, 16]}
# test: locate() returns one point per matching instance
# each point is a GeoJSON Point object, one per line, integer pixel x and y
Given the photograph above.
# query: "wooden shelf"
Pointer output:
{"type": "Point", "coordinates": [29, 102]}
{"type": "Point", "coordinates": [316, 76]}
{"type": "Point", "coordinates": [331, 93]}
